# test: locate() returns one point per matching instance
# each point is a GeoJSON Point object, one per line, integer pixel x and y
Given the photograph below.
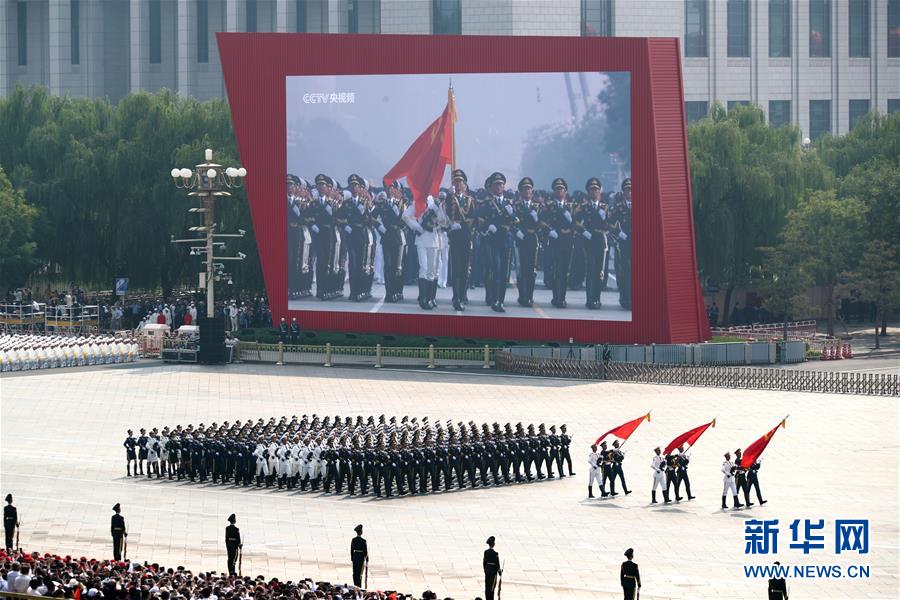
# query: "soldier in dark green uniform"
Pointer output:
{"type": "Point", "coordinates": [630, 576]}
{"type": "Point", "coordinates": [622, 223]}
{"type": "Point", "coordinates": [460, 209]}
{"type": "Point", "coordinates": [232, 543]}
{"type": "Point", "coordinates": [10, 522]}
{"type": "Point", "coordinates": [492, 569]}
{"type": "Point", "coordinates": [593, 218]}
{"type": "Point", "coordinates": [117, 528]}
{"type": "Point", "coordinates": [777, 587]}
{"type": "Point", "coordinates": [526, 241]}
{"type": "Point", "coordinates": [359, 555]}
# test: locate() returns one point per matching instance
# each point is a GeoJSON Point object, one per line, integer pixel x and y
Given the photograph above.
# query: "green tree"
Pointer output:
{"type": "Point", "coordinates": [824, 237]}
{"type": "Point", "coordinates": [784, 284]}
{"type": "Point", "coordinates": [877, 280]}
{"type": "Point", "coordinates": [16, 245]}
{"type": "Point", "coordinates": [745, 177]}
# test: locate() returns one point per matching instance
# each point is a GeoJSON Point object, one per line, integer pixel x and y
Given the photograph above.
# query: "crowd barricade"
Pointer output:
{"type": "Point", "coordinates": [754, 378]}
{"type": "Point", "coordinates": [372, 356]}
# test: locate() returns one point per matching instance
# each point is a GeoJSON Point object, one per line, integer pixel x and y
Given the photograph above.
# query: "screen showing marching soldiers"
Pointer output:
{"type": "Point", "coordinates": [501, 194]}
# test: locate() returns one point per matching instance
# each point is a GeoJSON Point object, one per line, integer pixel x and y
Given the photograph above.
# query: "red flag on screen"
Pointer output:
{"type": "Point", "coordinates": [689, 437]}
{"type": "Point", "coordinates": [424, 162]}
{"type": "Point", "coordinates": [624, 430]}
{"type": "Point", "coordinates": [754, 450]}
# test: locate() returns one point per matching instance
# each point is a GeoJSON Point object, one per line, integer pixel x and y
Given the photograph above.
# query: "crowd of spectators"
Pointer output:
{"type": "Point", "coordinates": [82, 578]}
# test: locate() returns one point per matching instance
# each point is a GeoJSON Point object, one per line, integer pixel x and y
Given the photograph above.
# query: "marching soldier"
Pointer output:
{"type": "Point", "coordinates": [560, 226]}
{"type": "Point", "coordinates": [130, 455]}
{"type": "Point", "coordinates": [622, 226]}
{"type": "Point", "coordinates": [658, 465]}
{"type": "Point", "coordinates": [606, 466]}
{"type": "Point", "coordinates": [428, 227]}
{"type": "Point", "coordinates": [618, 457]}
{"type": "Point", "coordinates": [460, 209]}
{"type": "Point", "coordinates": [564, 455]}
{"type": "Point", "coordinates": [594, 229]}
{"type": "Point", "coordinates": [594, 470]}
{"type": "Point", "coordinates": [527, 246]}
{"type": "Point", "coordinates": [682, 473]}
{"type": "Point", "coordinates": [777, 587]}
{"type": "Point", "coordinates": [117, 529]}
{"type": "Point", "coordinates": [295, 236]}
{"type": "Point", "coordinates": [142, 449]}
{"type": "Point", "coordinates": [752, 480]}
{"type": "Point", "coordinates": [359, 555]}
{"type": "Point", "coordinates": [232, 543]}
{"type": "Point", "coordinates": [497, 217]}
{"type": "Point", "coordinates": [10, 522]}
{"type": "Point", "coordinates": [728, 470]}
{"type": "Point", "coordinates": [740, 478]}
{"type": "Point", "coordinates": [389, 210]}
{"type": "Point", "coordinates": [555, 453]}
{"type": "Point", "coordinates": [324, 240]}
{"type": "Point", "coordinates": [672, 476]}
{"type": "Point", "coordinates": [355, 213]}
{"type": "Point", "coordinates": [492, 570]}
{"type": "Point", "coordinates": [630, 576]}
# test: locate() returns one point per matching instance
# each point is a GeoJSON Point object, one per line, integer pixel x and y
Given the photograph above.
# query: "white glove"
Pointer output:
{"type": "Point", "coordinates": [361, 207]}
{"type": "Point", "coordinates": [455, 227]}
{"type": "Point", "coordinates": [553, 234]}
{"type": "Point", "coordinates": [348, 230]}
{"type": "Point", "coordinates": [328, 208]}
{"type": "Point", "coordinates": [602, 213]}
{"type": "Point", "coordinates": [396, 210]}
{"type": "Point", "coordinates": [315, 228]}
{"type": "Point", "coordinates": [623, 236]}
{"type": "Point", "coordinates": [492, 229]}
{"type": "Point", "coordinates": [534, 215]}
{"type": "Point", "coordinates": [568, 216]}
{"type": "Point", "coordinates": [509, 210]}
{"type": "Point", "coordinates": [520, 235]}
{"type": "Point", "coordinates": [381, 229]}
{"type": "Point", "coordinates": [430, 202]}
{"type": "Point", "coordinates": [587, 235]}
{"type": "Point", "coordinates": [418, 228]}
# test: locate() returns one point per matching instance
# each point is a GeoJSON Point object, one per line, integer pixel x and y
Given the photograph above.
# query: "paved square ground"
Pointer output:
{"type": "Point", "coordinates": [838, 458]}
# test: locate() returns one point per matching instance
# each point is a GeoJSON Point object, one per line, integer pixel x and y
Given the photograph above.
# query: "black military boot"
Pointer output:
{"type": "Point", "coordinates": [590, 491]}
{"type": "Point", "coordinates": [129, 470]}
{"type": "Point", "coordinates": [724, 506]}
{"type": "Point", "coordinates": [424, 304]}
{"type": "Point", "coordinates": [259, 481]}
{"type": "Point", "coordinates": [737, 502]}
{"type": "Point", "coordinates": [433, 295]}
{"type": "Point", "coordinates": [654, 498]}
{"type": "Point", "coordinates": [666, 496]}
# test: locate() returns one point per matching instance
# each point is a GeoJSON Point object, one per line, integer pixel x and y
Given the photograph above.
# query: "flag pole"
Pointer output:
{"type": "Point", "coordinates": [452, 102]}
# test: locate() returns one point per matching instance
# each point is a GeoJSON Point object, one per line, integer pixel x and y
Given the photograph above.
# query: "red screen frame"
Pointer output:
{"type": "Point", "coordinates": [667, 301]}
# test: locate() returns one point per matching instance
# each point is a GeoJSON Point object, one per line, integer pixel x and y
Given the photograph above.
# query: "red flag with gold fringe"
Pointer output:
{"type": "Point", "coordinates": [624, 430]}
{"type": "Point", "coordinates": [754, 450]}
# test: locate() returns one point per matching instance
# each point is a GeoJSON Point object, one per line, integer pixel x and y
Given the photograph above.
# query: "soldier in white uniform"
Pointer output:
{"type": "Point", "coordinates": [153, 455]}
{"type": "Point", "coordinates": [428, 228]}
{"type": "Point", "coordinates": [233, 316]}
{"type": "Point", "coordinates": [728, 470]}
{"type": "Point", "coordinates": [659, 476]}
{"type": "Point", "coordinates": [164, 450]}
{"type": "Point", "coordinates": [594, 471]}
{"type": "Point", "coordinates": [262, 465]}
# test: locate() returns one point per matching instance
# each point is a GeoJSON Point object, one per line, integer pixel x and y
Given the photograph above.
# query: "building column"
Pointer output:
{"type": "Point", "coordinates": [285, 16]}
{"type": "Point", "coordinates": [186, 41]}
{"type": "Point", "coordinates": [235, 15]}
{"type": "Point", "coordinates": [138, 43]}
{"type": "Point", "coordinates": [5, 40]}
{"type": "Point", "coordinates": [59, 50]}
{"type": "Point", "coordinates": [92, 48]}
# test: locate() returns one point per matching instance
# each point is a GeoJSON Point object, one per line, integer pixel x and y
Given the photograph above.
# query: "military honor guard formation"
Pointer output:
{"type": "Point", "coordinates": [462, 240]}
{"type": "Point", "coordinates": [384, 456]}
{"type": "Point", "coordinates": [25, 352]}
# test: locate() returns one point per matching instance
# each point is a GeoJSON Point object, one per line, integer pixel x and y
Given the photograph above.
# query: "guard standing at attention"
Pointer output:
{"type": "Point", "coordinates": [491, 569]}
{"type": "Point", "coordinates": [359, 555]}
{"type": "Point", "coordinates": [117, 528]}
{"type": "Point", "coordinates": [232, 543]}
{"type": "Point", "coordinates": [630, 576]}
{"type": "Point", "coordinates": [10, 522]}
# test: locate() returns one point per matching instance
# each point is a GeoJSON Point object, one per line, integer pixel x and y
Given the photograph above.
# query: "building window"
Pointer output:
{"type": "Point", "coordinates": [820, 28]}
{"type": "Point", "coordinates": [696, 14]}
{"type": "Point", "coordinates": [738, 28]}
{"type": "Point", "coordinates": [312, 16]}
{"type": "Point", "coordinates": [734, 103]}
{"type": "Point", "coordinates": [695, 110]}
{"type": "Point", "coordinates": [893, 105]}
{"type": "Point", "coordinates": [74, 33]}
{"type": "Point", "coordinates": [859, 28]}
{"type": "Point", "coordinates": [22, 37]}
{"type": "Point", "coordinates": [155, 32]}
{"type": "Point", "coordinates": [858, 109]}
{"type": "Point", "coordinates": [446, 17]}
{"type": "Point", "coordinates": [252, 15]}
{"type": "Point", "coordinates": [363, 16]}
{"type": "Point", "coordinates": [597, 17]}
{"type": "Point", "coordinates": [780, 28]}
{"type": "Point", "coordinates": [819, 118]}
{"type": "Point", "coordinates": [202, 31]}
{"type": "Point", "coordinates": [779, 113]}
{"type": "Point", "coordinates": [893, 41]}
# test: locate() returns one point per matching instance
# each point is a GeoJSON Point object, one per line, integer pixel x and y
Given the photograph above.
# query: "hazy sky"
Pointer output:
{"type": "Point", "coordinates": [495, 113]}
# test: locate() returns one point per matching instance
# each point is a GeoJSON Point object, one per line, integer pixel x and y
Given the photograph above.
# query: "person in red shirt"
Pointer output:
{"type": "Point", "coordinates": [187, 318]}
{"type": "Point", "coordinates": [161, 319]}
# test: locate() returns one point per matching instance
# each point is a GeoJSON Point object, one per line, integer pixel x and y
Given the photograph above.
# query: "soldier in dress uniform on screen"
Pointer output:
{"type": "Point", "coordinates": [621, 232]}
{"type": "Point", "coordinates": [593, 219]}
{"type": "Point", "coordinates": [560, 231]}
{"type": "Point", "coordinates": [460, 209]}
{"type": "Point", "coordinates": [497, 220]}
{"type": "Point", "coordinates": [324, 236]}
{"type": "Point", "coordinates": [527, 243]}
{"type": "Point", "coordinates": [389, 207]}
